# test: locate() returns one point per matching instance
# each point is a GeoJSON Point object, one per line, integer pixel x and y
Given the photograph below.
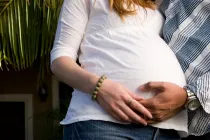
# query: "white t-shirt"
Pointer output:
{"type": "Point", "coordinates": [130, 52]}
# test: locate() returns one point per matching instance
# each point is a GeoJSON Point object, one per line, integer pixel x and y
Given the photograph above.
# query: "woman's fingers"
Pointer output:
{"type": "Point", "coordinates": [140, 108]}
{"type": "Point", "coordinates": [121, 104]}
{"type": "Point", "coordinates": [114, 110]}
{"type": "Point", "coordinates": [132, 115]}
{"type": "Point", "coordinates": [121, 116]}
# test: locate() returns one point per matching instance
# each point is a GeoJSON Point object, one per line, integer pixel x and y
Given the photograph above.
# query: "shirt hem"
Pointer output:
{"type": "Point", "coordinates": [181, 132]}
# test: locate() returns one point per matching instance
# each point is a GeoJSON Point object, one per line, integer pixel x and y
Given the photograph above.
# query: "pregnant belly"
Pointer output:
{"type": "Point", "coordinates": [136, 63]}
{"type": "Point", "coordinates": [157, 65]}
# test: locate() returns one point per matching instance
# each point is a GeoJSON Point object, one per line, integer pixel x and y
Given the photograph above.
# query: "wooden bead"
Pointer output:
{"type": "Point", "coordinates": [94, 97]}
{"type": "Point", "coordinates": [97, 88]}
{"type": "Point", "coordinates": [98, 85]}
{"type": "Point", "coordinates": [95, 92]}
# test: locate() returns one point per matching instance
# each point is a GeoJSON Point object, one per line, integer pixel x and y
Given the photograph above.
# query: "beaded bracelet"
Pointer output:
{"type": "Point", "coordinates": [98, 85]}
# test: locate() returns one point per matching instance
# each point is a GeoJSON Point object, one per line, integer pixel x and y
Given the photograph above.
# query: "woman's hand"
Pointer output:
{"type": "Point", "coordinates": [121, 103]}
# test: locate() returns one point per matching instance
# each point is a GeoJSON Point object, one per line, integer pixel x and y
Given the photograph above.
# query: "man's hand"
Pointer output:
{"type": "Point", "coordinates": [168, 101]}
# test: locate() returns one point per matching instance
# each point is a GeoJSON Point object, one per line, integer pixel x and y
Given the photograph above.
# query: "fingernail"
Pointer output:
{"type": "Point", "coordinates": [150, 116]}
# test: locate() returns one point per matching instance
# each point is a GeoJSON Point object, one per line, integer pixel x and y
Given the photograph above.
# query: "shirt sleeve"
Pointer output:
{"type": "Point", "coordinates": [70, 30]}
{"type": "Point", "coordinates": [199, 119]}
{"type": "Point", "coordinates": [201, 87]}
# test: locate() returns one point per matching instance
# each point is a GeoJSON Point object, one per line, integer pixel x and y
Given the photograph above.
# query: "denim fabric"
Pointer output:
{"type": "Point", "coordinates": [101, 130]}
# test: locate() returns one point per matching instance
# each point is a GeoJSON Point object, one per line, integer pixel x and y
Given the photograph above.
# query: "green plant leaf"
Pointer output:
{"type": "Point", "coordinates": [27, 29]}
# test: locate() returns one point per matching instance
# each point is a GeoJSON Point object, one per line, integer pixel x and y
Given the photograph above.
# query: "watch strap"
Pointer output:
{"type": "Point", "coordinates": [190, 96]}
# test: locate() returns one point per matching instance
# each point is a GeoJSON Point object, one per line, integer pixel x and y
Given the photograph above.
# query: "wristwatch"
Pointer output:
{"type": "Point", "coordinates": [192, 101]}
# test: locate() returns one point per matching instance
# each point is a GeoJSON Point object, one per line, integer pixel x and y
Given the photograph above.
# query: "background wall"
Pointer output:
{"type": "Point", "coordinates": [25, 82]}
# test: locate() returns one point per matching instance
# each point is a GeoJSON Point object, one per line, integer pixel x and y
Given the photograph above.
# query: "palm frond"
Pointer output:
{"type": "Point", "coordinates": [27, 29]}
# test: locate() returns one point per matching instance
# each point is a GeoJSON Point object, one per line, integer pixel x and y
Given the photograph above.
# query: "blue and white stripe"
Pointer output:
{"type": "Point", "coordinates": [187, 31]}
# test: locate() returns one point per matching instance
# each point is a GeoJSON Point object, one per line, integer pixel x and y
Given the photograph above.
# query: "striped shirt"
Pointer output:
{"type": "Point", "coordinates": [187, 31]}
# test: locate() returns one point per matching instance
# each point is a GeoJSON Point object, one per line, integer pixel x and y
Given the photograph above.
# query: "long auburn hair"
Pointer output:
{"type": "Point", "coordinates": [126, 7]}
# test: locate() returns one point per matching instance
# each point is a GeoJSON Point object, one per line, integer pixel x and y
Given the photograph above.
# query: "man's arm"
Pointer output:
{"type": "Point", "coordinates": [187, 32]}
{"type": "Point", "coordinates": [201, 88]}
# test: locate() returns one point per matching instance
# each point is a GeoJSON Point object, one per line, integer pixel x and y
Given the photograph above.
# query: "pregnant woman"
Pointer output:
{"type": "Point", "coordinates": [119, 47]}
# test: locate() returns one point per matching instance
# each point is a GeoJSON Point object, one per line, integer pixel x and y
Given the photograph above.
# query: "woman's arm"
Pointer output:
{"type": "Point", "coordinates": [72, 74]}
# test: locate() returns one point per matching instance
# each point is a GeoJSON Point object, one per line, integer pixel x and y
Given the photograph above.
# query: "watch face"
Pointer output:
{"type": "Point", "coordinates": [193, 105]}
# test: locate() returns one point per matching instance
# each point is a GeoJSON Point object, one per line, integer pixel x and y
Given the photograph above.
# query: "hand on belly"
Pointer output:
{"type": "Point", "coordinates": [168, 101]}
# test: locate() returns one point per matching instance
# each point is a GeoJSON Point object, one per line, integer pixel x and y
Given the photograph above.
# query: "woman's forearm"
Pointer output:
{"type": "Point", "coordinates": [69, 72]}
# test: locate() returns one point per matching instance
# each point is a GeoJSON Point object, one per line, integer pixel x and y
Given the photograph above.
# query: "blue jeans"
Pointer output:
{"type": "Point", "coordinates": [101, 130]}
